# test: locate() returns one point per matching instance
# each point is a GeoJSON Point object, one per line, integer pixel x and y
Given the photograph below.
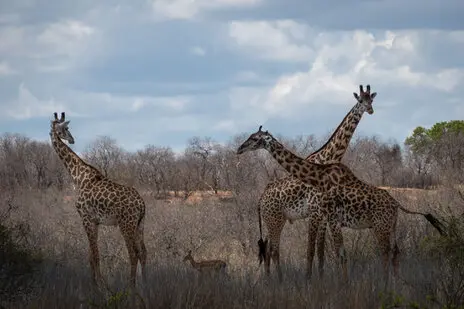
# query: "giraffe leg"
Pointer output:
{"type": "Point", "coordinates": [142, 251]}
{"type": "Point", "coordinates": [130, 235]}
{"type": "Point", "coordinates": [313, 226]}
{"type": "Point", "coordinates": [339, 246]}
{"type": "Point", "coordinates": [396, 252]}
{"type": "Point", "coordinates": [91, 230]}
{"type": "Point", "coordinates": [274, 226]}
{"type": "Point", "coordinates": [321, 247]}
{"type": "Point", "coordinates": [383, 239]}
{"type": "Point", "coordinates": [394, 246]}
{"type": "Point", "coordinates": [267, 260]}
{"type": "Point", "coordinates": [275, 247]}
{"type": "Point", "coordinates": [275, 255]}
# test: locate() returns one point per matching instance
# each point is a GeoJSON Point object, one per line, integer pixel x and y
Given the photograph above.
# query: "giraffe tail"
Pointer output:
{"type": "Point", "coordinates": [262, 244]}
{"type": "Point", "coordinates": [429, 217]}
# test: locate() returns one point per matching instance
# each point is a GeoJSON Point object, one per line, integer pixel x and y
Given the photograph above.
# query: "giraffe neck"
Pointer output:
{"type": "Point", "coordinates": [334, 149]}
{"type": "Point", "coordinates": [309, 171]}
{"type": "Point", "coordinates": [81, 172]}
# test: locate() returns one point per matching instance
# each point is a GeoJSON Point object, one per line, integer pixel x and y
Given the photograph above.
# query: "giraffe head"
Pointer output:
{"type": "Point", "coordinates": [258, 140]}
{"type": "Point", "coordinates": [60, 127]}
{"type": "Point", "coordinates": [365, 98]}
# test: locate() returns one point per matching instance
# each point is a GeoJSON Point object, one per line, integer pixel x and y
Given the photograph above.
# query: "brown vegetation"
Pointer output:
{"type": "Point", "coordinates": [205, 199]}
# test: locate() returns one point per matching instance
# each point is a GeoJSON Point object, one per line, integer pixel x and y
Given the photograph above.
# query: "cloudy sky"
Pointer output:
{"type": "Point", "coordinates": [162, 71]}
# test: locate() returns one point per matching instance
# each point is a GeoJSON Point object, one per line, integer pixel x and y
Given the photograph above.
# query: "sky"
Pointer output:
{"type": "Point", "coordinates": [162, 71]}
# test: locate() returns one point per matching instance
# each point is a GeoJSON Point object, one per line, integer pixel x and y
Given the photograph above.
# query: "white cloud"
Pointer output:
{"type": "Point", "coordinates": [173, 103]}
{"type": "Point", "coordinates": [197, 50]}
{"type": "Point", "coordinates": [69, 39]}
{"type": "Point", "coordinates": [6, 69]}
{"type": "Point", "coordinates": [12, 40]}
{"type": "Point", "coordinates": [77, 104]}
{"type": "Point", "coordinates": [298, 73]}
{"type": "Point", "coordinates": [227, 125]}
{"type": "Point", "coordinates": [246, 76]}
{"type": "Point", "coordinates": [278, 40]}
{"type": "Point", "coordinates": [64, 33]}
{"type": "Point", "coordinates": [29, 106]}
{"type": "Point", "coordinates": [340, 62]}
{"type": "Point", "coordinates": [9, 18]}
{"type": "Point", "coordinates": [188, 9]}
{"type": "Point", "coordinates": [52, 47]}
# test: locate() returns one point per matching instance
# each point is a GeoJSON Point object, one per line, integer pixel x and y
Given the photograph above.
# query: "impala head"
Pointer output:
{"type": "Point", "coordinates": [189, 256]}
{"type": "Point", "coordinates": [258, 140]}
{"type": "Point", "coordinates": [365, 98]}
{"type": "Point", "coordinates": [60, 127]}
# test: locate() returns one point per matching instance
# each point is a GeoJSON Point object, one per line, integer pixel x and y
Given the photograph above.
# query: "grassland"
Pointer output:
{"type": "Point", "coordinates": [225, 227]}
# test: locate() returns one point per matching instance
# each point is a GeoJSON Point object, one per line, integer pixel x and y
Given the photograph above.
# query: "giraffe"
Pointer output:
{"type": "Point", "coordinates": [344, 200]}
{"type": "Point", "coordinates": [291, 199]}
{"type": "Point", "coordinates": [102, 202]}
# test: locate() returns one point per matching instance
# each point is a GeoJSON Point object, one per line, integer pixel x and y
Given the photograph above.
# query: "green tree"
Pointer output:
{"type": "Point", "coordinates": [442, 145]}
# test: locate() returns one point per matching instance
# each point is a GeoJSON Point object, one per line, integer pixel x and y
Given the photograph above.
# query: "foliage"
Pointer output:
{"type": "Point", "coordinates": [442, 145]}
{"type": "Point", "coordinates": [449, 250]}
{"type": "Point", "coordinates": [18, 263]}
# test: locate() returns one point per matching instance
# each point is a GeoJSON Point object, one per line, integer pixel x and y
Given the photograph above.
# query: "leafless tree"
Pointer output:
{"type": "Point", "coordinates": [104, 154]}
{"type": "Point", "coordinates": [153, 165]}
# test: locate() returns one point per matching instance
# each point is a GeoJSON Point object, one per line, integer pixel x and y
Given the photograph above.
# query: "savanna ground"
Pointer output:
{"type": "Point", "coordinates": [44, 250]}
{"type": "Point", "coordinates": [51, 270]}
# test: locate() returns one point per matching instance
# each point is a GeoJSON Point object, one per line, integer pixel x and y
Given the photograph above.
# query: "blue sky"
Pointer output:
{"type": "Point", "coordinates": [159, 72]}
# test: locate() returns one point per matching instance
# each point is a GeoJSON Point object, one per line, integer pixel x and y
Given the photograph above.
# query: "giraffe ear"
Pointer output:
{"type": "Point", "coordinates": [373, 95]}
{"type": "Point", "coordinates": [356, 96]}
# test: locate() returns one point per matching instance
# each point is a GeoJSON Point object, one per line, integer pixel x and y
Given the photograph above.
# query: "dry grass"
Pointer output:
{"type": "Point", "coordinates": [222, 229]}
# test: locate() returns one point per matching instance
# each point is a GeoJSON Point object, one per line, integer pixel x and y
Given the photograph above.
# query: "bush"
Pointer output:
{"type": "Point", "coordinates": [449, 251]}
{"type": "Point", "coordinates": [18, 264]}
